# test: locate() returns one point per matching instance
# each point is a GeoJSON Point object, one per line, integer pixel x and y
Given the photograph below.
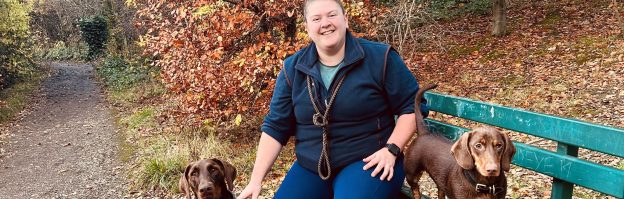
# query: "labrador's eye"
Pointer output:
{"type": "Point", "coordinates": [212, 170]}
{"type": "Point", "coordinates": [499, 146]}
{"type": "Point", "coordinates": [195, 173]}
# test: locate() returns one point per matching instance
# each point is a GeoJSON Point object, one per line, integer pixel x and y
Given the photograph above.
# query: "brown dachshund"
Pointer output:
{"type": "Point", "coordinates": [208, 179]}
{"type": "Point", "coordinates": [470, 168]}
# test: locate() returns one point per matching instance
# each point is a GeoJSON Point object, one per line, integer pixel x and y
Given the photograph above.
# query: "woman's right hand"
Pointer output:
{"type": "Point", "coordinates": [268, 149]}
{"type": "Point", "coordinates": [251, 191]}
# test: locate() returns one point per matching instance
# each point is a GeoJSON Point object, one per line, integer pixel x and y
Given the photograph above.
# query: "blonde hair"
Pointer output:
{"type": "Point", "coordinates": [305, 7]}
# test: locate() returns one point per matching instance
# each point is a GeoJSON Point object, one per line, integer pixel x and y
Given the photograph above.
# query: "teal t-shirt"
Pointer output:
{"type": "Point", "coordinates": [328, 73]}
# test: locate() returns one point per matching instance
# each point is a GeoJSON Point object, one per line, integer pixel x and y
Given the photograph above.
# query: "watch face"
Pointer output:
{"type": "Point", "coordinates": [394, 149]}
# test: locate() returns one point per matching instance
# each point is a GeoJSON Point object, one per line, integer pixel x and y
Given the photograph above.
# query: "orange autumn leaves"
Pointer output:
{"type": "Point", "coordinates": [220, 58]}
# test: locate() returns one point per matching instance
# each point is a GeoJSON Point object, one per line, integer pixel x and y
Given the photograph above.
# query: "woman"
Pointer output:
{"type": "Point", "coordinates": [338, 97]}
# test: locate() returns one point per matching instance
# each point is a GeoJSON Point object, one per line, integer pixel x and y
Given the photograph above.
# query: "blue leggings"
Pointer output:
{"type": "Point", "coordinates": [350, 182]}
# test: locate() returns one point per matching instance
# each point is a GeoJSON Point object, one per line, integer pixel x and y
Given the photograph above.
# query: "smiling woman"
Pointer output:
{"type": "Point", "coordinates": [348, 144]}
{"type": "Point", "coordinates": [327, 27]}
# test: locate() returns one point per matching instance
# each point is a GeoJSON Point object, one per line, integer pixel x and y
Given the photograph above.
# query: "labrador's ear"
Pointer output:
{"type": "Point", "coordinates": [508, 153]}
{"type": "Point", "coordinates": [186, 173]}
{"type": "Point", "coordinates": [461, 152]}
{"type": "Point", "coordinates": [229, 173]}
{"type": "Point", "coordinates": [185, 185]}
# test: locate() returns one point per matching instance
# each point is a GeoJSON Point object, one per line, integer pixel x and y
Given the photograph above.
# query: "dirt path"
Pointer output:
{"type": "Point", "coordinates": [65, 146]}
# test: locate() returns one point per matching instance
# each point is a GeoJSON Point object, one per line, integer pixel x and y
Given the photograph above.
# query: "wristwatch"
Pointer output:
{"type": "Point", "coordinates": [394, 149]}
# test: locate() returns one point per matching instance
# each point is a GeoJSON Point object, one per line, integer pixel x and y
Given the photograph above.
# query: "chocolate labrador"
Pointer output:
{"type": "Point", "coordinates": [208, 179]}
{"type": "Point", "coordinates": [472, 167]}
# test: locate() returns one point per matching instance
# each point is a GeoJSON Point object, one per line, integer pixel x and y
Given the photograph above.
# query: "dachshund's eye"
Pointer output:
{"type": "Point", "coordinates": [212, 170]}
{"type": "Point", "coordinates": [478, 146]}
{"type": "Point", "coordinates": [499, 146]}
{"type": "Point", "coordinates": [194, 173]}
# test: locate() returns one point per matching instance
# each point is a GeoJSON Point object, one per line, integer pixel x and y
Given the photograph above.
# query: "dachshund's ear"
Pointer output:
{"type": "Point", "coordinates": [229, 173]}
{"type": "Point", "coordinates": [461, 152]}
{"type": "Point", "coordinates": [508, 153]}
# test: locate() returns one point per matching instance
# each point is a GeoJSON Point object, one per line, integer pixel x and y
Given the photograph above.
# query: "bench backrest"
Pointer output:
{"type": "Point", "coordinates": [563, 165]}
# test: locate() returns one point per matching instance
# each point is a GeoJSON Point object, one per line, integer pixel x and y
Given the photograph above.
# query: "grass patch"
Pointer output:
{"type": "Point", "coordinates": [449, 9]}
{"type": "Point", "coordinates": [142, 118]}
{"type": "Point", "coordinates": [161, 163]}
{"type": "Point", "coordinates": [127, 150]}
{"type": "Point", "coordinates": [164, 157]}
{"type": "Point", "coordinates": [492, 56]}
{"type": "Point", "coordinates": [552, 18]}
{"type": "Point", "coordinates": [136, 94]}
{"type": "Point", "coordinates": [15, 98]}
{"type": "Point", "coordinates": [590, 48]}
{"type": "Point", "coordinates": [551, 21]}
{"type": "Point", "coordinates": [458, 51]}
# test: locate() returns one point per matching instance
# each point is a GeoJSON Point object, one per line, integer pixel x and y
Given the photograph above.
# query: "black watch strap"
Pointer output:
{"type": "Point", "coordinates": [394, 149]}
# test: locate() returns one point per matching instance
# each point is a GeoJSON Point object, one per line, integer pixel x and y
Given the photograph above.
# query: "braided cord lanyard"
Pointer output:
{"type": "Point", "coordinates": [324, 159]}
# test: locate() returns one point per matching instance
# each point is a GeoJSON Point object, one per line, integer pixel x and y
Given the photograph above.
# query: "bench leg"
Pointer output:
{"type": "Point", "coordinates": [560, 188]}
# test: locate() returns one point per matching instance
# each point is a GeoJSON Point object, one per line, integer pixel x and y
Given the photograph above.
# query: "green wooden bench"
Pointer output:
{"type": "Point", "coordinates": [563, 165]}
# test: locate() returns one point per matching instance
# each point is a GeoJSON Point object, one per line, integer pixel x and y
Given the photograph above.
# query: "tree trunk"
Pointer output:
{"type": "Point", "coordinates": [618, 16]}
{"type": "Point", "coordinates": [500, 22]}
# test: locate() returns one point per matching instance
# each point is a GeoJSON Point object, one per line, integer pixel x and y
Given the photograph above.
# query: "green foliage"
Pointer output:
{"type": "Point", "coordinates": [15, 56]}
{"type": "Point", "coordinates": [479, 7]}
{"type": "Point", "coordinates": [118, 73]}
{"type": "Point", "coordinates": [14, 98]}
{"type": "Point", "coordinates": [142, 118]}
{"type": "Point", "coordinates": [61, 51]}
{"type": "Point", "coordinates": [551, 20]}
{"type": "Point", "coordinates": [447, 9]}
{"type": "Point", "coordinates": [162, 172]}
{"type": "Point", "coordinates": [94, 31]}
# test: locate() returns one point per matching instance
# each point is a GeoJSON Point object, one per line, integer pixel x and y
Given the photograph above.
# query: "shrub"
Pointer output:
{"type": "Point", "coordinates": [94, 31]}
{"type": "Point", "coordinates": [61, 51]}
{"type": "Point", "coordinates": [15, 56]}
{"type": "Point", "coordinates": [119, 73]}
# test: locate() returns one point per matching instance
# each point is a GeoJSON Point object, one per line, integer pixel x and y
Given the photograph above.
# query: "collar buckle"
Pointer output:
{"type": "Point", "coordinates": [482, 188]}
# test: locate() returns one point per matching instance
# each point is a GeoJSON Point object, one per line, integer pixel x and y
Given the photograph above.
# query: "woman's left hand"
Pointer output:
{"type": "Point", "coordinates": [384, 160]}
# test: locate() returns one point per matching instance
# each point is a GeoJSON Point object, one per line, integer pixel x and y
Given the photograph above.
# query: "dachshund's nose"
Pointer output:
{"type": "Point", "coordinates": [492, 169]}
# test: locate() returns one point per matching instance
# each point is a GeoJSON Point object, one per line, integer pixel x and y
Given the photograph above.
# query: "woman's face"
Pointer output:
{"type": "Point", "coordinates": [326, 24]}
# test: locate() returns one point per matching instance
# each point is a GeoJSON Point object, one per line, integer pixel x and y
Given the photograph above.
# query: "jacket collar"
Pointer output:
{"type": "Point", "coordinates": [309, 56]}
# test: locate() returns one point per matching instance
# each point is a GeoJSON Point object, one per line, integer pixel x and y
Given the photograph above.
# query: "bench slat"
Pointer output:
{"type": "Point", "coordinates": [584, 173]}
{"type": "Point", "coordinates": [573, 132]}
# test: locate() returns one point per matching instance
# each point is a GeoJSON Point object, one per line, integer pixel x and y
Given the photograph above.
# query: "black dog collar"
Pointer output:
{"type": "Point", "coordinates": [483, 188]}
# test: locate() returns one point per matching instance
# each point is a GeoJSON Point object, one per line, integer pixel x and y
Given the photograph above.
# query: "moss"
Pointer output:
{"type": "Point", "coordinates": [458, 51]}
{"type": "Point", "coordinates": [492, 56]}
{"type": "Point", "coordinates": [551, 21]}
